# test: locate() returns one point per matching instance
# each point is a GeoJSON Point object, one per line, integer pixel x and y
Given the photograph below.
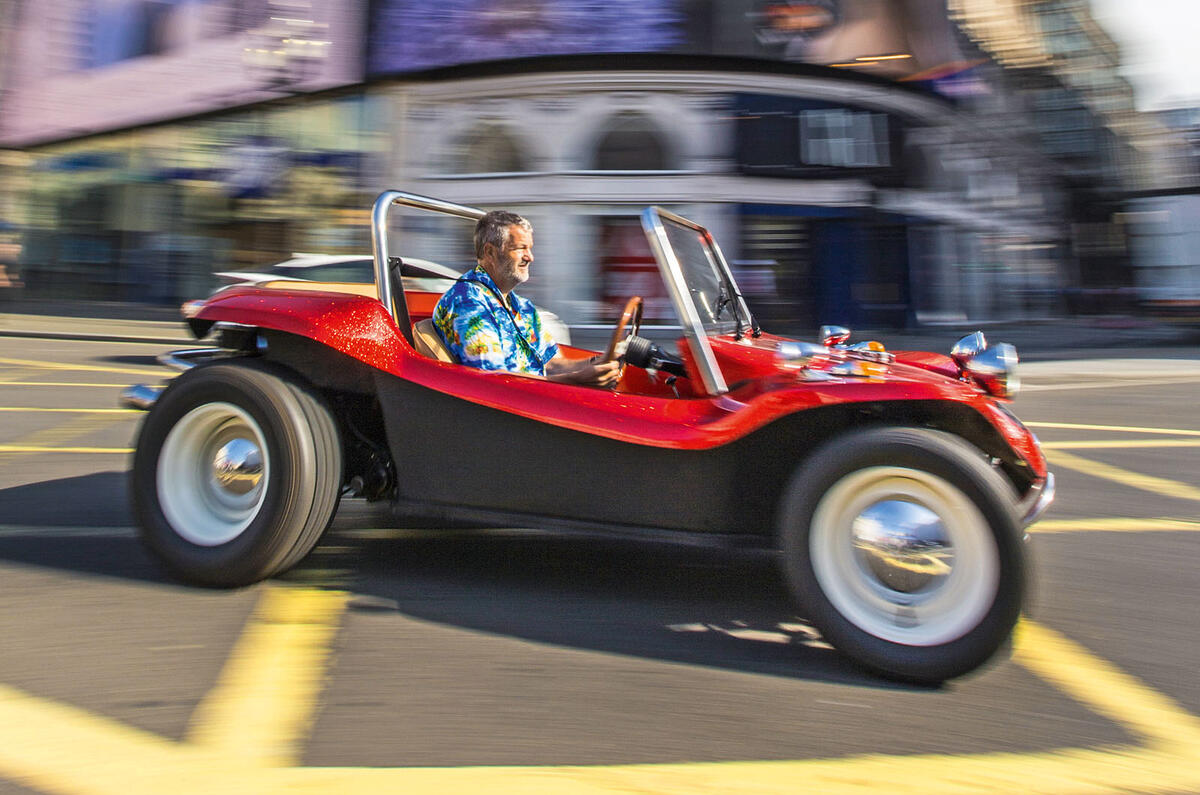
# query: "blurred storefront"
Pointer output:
{"type": "Point", "coordinates": [859, 161]}
{"type": "Point", "coordinates": [150, 214]}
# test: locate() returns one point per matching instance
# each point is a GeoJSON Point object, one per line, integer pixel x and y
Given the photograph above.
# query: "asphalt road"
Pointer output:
{"type": "Point", "coordinates": [401, 660]}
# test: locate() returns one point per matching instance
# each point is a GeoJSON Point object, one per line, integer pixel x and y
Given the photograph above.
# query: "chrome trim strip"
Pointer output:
{"type": "Point", "coordinates": [672, 273]}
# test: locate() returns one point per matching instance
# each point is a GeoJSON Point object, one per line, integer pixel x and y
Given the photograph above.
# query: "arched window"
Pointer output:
{"type": "Point", "coordinates": [631, 142]}
{"type": "Point", "coordinates": [489, 149]}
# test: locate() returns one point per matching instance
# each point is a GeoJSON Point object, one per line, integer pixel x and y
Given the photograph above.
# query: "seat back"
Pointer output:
{"type": "Point", "coordinates": [429, 343]}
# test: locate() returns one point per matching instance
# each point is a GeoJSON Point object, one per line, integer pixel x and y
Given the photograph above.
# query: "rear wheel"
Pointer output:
{"type": "Point", "coordinates": [237, 473]}
{"type": "Point", "coordinates": [903, 545]}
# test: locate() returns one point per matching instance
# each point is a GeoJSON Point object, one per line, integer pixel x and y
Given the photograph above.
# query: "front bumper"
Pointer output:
{"type": "Point", "coordinates": [1037, 500]}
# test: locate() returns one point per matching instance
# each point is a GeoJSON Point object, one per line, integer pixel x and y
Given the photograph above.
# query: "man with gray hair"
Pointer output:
{"type": "Point", "coordinates": [486, 325]}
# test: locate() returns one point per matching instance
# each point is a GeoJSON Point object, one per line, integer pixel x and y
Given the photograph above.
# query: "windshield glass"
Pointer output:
{"type": "Point", "coordinates": [704, 294]}
{"type": "Point", "coordinates": [712, 298]}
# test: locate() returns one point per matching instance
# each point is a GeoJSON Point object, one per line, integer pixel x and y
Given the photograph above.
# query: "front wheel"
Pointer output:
{"type": "Point", "coordinates": [903, 544]}
{"type": "Point", "coordinates": [237, 473]}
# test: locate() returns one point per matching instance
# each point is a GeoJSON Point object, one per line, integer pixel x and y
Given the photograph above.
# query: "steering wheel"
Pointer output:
{"type": "Point", "coordinates": [631, 319]}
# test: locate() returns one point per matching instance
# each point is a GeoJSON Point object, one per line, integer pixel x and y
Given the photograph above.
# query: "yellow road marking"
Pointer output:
{"type": "Point", "coordinates": [26, 448]}
{"type": "Point", "coordinates": [1121, 444]}
{"type": "Point", "coordinates": [50, 440]}
{"type": "Point", "coordinates": [1116, 525]}
{"type": "Point", "coordinates": [71, 429]}
{"type": "Point", "coordinates": [1120, 428]}
{"type": "Point", "coordinates": [6, 378]}
{"type": "Point", "coordinates": [1107, 690]}
{"type": "Point", "coordinates": [1139, 381]}
{"type": "Point", "coordinates": [60, 383]}
{"type": "Point", "coordinates": [1163, 486]}
{"type": "Point", "coordinates": [277, 668]}
{"type": "Point", "coordinates": [261, 708]}
{"type": "Point", "coordinates": [90, 368]}
{"type": "Point", "coordinates": [69, 411]}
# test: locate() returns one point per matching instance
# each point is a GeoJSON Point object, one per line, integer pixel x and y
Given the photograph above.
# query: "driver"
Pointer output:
{"type": "Point", "coordinates": [486, 325]}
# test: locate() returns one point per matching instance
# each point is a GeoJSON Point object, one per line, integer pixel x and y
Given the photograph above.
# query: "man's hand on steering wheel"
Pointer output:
{"type": "Point", "coordinates": [628, 325]}
{"type": "Point", "coordinates": [603, 370]}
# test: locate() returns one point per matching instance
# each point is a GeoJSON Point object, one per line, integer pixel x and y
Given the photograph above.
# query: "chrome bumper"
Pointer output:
{"type": "Point", "coordinates": [1037, 501]}
{"type": "Point", "coordinates": [142, 396]}
{"type": "Point", "coordinates": [139, 396]}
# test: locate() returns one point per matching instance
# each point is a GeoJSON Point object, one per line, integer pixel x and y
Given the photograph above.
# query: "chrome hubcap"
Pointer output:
{"type": "Point", "coordinates": [903, 545]}
{"type": "Point", "coordinates": [212, 473]}
{"type": "Point", "coordinates": [237, 466]}
{"type": "Point", "coordinates": [904, 555]}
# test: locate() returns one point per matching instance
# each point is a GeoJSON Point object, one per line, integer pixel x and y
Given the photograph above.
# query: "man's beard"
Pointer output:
{"type": "Point", "coordinates": [517, 275]}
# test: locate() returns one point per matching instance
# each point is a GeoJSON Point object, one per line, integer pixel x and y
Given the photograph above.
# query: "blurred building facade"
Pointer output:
{"type": "Point", "coordinates": [869, 162]}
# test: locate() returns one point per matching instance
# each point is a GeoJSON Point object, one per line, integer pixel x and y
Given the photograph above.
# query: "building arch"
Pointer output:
{"type": "Point", "coordinates": [487, 148]}
{"type": "Point", "coordinates": [631, 140]}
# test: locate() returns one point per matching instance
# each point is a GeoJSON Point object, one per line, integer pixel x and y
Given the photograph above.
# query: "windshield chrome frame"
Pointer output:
{"type": "Point", "coordinates": [379, 247]}
{"type": "Point", "coordinates": [672, 273]}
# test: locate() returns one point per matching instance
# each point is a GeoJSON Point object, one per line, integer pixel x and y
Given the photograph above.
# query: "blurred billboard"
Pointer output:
{"type": "Point", "coordinates": [78, 67]}
{"type": "Point", "coordinates": [409, 35]}
{"type": "Point", "coordinates": [899, 39]}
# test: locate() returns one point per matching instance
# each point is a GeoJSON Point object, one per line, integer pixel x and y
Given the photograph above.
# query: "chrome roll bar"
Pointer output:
{"type": "Point", "coordinates": [379, 246]}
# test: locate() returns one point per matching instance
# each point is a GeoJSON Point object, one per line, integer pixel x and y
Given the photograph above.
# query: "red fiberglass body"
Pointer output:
{"type": "Point", "coordinates": [640, 410]}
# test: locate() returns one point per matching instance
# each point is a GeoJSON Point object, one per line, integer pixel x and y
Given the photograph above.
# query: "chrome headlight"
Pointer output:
{"type": "Point", "coordinates": [995, 369]}
{"type": "Point", "coordinates": [969, 346]}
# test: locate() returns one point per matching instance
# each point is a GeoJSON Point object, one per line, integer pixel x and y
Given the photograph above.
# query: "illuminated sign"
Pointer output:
{"type": "Point", "coordinates": [75, 68]}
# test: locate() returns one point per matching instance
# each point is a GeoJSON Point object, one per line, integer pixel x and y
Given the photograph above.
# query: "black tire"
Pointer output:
{"type": "Point", "coordinates": [915, 611]}
{"type": "Point", "coordinates": [251, 526]}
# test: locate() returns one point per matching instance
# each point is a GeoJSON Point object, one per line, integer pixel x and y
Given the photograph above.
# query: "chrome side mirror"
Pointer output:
{"type": "Point", "coordinates": [833, 335]}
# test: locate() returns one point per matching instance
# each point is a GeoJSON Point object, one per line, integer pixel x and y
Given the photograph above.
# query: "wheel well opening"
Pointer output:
{"type": "Point", "coordinates": [774, 452]}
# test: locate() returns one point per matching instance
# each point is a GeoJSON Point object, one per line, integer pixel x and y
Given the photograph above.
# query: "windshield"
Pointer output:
{"type": "Point", "coordinates": [702, 289]}
{"type": "Point", "coordinates": [709, 293]}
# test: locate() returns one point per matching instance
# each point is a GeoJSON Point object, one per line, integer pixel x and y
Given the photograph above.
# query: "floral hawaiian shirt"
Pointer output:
{"type": "Point", "coordinates": [481, 331]}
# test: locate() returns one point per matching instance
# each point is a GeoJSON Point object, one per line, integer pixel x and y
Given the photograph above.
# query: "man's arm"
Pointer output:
{"type": "Point", "coordinates": [590, 372]}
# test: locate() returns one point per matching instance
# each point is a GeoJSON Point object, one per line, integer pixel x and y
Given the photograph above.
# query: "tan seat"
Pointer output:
{"type": "Point", "coordinates": [429, 343]}
{"type": "Point", "coordinates": [351, 288]}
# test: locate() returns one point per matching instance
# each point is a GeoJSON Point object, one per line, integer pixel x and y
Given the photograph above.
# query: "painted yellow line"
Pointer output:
{"type": "Point", "coordinates": [277, 668]}
{"type": "Point", "coordinates": [26, 448]}
{"type": "Point", "coordinates": [1119, 428]}
{"type": "Point", "coordinates": [1163, 486]}
{"type": "Point", "coordinates": [57, 748]}
{"type": "Point", "coordinates": [1115, 525]}
{"type": "Point", "coordinates": [262, 706]}
{"type": "Point", "coordinates": [69, 411]}
{"type": "Point", "coordinates": [90, 368]}
{"type": "Point", "coordinates": [1139, 381]}
{"type": "Point", "coordinates": [61, 383]}
{"type": "Point", "coordinates": [1121, 444]}
{"type": "Point", "coordinates": [52, 440]}
{"type": "Point", "coordinates": [1107, 690]}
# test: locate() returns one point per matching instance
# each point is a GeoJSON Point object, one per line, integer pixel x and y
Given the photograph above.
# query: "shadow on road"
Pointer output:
{"type": "Point", "coordinates": [698, 606]}
{"type": "Point", "coordinates": [119, 556]}
{"type": "Point", "coordinates": [79, 524]}
{"type": "Point", "coordinates": [719, 608]}
{"type": "Point", "coordinates": [144, 361]}
{"type": "Point", "coordinates": [99, 499]}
